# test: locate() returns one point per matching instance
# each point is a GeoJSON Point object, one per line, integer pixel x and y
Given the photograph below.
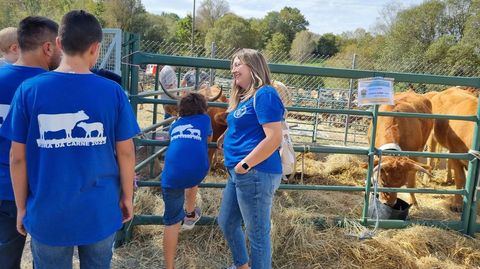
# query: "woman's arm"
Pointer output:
{"type": "Point", "coordinates": [271, 142]}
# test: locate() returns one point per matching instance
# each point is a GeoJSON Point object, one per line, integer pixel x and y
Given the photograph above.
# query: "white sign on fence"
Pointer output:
{"type": "Point", "coordinates": [375, 91]}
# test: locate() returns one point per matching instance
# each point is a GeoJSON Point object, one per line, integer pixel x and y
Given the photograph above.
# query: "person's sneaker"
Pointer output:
{"type": "Point", "coordinates": [189, 223]}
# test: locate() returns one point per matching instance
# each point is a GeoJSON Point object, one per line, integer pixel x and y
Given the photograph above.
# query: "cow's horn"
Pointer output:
{"type": "Point", "coordinates": [384, 165]}
{"type": "Point", "coordinates": [213, 99]}
{"type": "Point", "coordinates": [169, 94]}
{"type": "Point", "coordinates": [423, 170]}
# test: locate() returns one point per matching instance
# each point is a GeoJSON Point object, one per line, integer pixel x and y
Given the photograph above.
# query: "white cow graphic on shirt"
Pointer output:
{"type": "Point", "coordinates": [59, 122]}
{"type": "Point", "coordinates": [90, 127]}
{"type": "Point", "coordinates": [3, 113]}
{"type": "Point", "coordinates": [180, 128]}
{"type": "Point", "coordinates": [179, 132]}
{"type": "Point", "coordinates": [67, 122]}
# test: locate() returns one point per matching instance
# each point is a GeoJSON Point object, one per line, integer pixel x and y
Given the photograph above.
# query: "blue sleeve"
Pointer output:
{"type": "Point", "coordinates": [15, 126]}
{"type": "Point", "coordinates": [268, 105]}
{"type": "Point", "coordinates": [126, 125]}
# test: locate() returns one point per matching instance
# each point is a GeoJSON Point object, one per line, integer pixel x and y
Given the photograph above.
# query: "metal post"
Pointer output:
{"type": "Point", "coordinates": [350, 93]}
{"type": "Point", "coordinates": [154, 120]}
{"type": "Point", "coordinates": [469, 213]}
{"type": "Point", "coordinates": [212, 71]}
{"type": "Point", "coordinates": [134, 74]}
{"type": "Point", "coordinates": [315, 123]}
{"type": "Point", "coordinates": [193, 27]}
{"type": "Point", "coordinates": [371, 155]}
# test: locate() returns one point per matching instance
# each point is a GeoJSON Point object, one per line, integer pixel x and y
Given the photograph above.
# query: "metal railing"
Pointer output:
{"type": "Point", "coordinates": [467, 223]}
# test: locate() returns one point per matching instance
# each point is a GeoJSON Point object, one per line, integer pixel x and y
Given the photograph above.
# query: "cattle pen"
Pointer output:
{"type": "Point", "coordinates": [467, 223]}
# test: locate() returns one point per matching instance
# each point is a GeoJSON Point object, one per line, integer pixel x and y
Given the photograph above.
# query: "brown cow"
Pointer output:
{"type": "Point", "coordinates": [455, 135]}
{"type": "Point", "coordinates": [398, 133]}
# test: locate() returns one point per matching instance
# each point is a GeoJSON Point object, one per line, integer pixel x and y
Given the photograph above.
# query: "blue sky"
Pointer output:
{"type": "Point", "coordinates": [325, 16]}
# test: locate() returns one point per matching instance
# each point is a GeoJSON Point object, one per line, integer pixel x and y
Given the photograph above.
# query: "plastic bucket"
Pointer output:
{"type": "Point", "coordinates": [399, 211]}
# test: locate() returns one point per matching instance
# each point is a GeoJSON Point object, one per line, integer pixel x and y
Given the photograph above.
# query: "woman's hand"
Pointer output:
{"type": "Point", "coordinates": [239, 169]}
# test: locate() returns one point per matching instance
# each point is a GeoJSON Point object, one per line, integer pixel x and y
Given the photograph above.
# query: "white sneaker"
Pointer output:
{"type": "Point", "coordinates": [189, 223]}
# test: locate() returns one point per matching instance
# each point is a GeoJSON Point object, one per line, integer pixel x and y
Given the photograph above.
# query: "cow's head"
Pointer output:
{"type": "Point", "coordinates": [395, 172]}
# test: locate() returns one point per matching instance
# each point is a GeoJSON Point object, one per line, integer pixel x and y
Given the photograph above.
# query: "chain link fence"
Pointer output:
{"type": "Point", "coordinates": [313, 91]}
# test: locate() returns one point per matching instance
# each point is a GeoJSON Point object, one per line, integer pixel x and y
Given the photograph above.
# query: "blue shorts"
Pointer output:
{"type": "Point", "coordinates": [173, 200]}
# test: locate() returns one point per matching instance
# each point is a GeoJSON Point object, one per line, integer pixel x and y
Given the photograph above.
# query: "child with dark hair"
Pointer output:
{"type": "Point", "coordinates": [71, 133]}
{"type": "Point", "coordinates": [186, 165]}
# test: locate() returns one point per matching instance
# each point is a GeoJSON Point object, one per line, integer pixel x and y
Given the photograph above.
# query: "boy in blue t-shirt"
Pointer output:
{"type": "Point", "coordinates": [71, 133]}
{"type": "Point", "coordinates": [34, 33]}
{"type": "Point", "coordinates": [186, 165]}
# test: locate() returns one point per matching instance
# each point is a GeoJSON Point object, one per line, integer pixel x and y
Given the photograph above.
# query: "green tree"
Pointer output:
{"type": "Point", "coordinates": [183, 31]}
{"type": "Point", "coordinates": [327, 45]}
{"type": "Point", "coordinates": [210, 11]}
{"type": "Point", "coordinates": [269, 25]}
{"type": "Point", "coordinates": [278, 46]}
{"type": "Point", "coordinates": [437, 51]}
{"type": "Point", "coordinates": [231, 31]}
{"type": "Point", "coordinates": [413, 32]}
{"type": "Point", "coordinates": [303, 46]}
{"type": "Point", "coordinates": [288, 21]}
{"type": "Point", "coordinates": [292, 22]}
{"type": "Point", "coordinates": [128, 15]}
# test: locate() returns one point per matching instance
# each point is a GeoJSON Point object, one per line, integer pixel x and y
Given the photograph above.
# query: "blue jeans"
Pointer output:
{"type": "Point", "coordinates": [93, 256]}
{"type": "Point", "coordinates": [248, 198]}
{"type": "Point", "coordinates": [174, 200]}
{"type": "Point", "coordinates": [11, 242]}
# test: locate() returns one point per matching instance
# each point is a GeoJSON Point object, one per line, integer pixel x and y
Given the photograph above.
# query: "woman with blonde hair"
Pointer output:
{"type": "Point", "coordinates": [251, 156]}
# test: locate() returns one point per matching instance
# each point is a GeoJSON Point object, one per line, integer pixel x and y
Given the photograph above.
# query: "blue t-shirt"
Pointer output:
{"type": "Point", "coordinates": [186, 160]}
{"type": "Point", "coordinates": [70, 124]}
{"type": "Point", "coordinates": [10, 78]}
{"type": "Point", "coordinates": [245, 129]}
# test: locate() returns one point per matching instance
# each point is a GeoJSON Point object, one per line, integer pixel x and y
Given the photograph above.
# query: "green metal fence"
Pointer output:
{"type": "Point", "coordinates": [467, 223]}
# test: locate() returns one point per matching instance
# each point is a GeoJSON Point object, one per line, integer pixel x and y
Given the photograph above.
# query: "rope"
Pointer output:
{"type": "Point", "coordinates": [361, 232]}
{"type": "Point", "coordinates": [476, 154]}
{"type": "Point", "coordinates": [127, 63]}
{"type": "Point", "coordinates": [368, 234]}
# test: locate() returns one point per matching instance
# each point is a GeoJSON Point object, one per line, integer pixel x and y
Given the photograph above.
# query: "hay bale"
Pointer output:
{"type": "Point", "coordinates": [297, 242]}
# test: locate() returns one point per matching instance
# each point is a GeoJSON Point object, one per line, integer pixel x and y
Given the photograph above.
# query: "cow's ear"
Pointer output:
{"type": "Point", "coordinates": [221, 118]}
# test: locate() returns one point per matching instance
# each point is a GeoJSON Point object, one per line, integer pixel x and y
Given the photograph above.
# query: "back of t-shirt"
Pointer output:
{"type": "Point", "coordinates": [10, 78]}
{"type": "Point", "coordinates": [186, 160]}
{"type": "Point", "coordinates": [70, 124]}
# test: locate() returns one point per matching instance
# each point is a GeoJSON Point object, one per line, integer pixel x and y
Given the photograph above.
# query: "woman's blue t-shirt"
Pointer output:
{"type": "Point", "coordinates": [186, 160]}
{"type": "Point", "coordinates": [70, 124]}
{"type": "Point", "coordinates": [245, 130]}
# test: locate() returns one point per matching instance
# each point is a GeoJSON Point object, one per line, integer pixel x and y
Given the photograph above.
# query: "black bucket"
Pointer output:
{"type": "Point", "coordinates": [399, 211]}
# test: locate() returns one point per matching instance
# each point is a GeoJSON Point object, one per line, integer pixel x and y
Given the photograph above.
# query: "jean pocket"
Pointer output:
{"type": "Point", "coordinates": [247, 182]}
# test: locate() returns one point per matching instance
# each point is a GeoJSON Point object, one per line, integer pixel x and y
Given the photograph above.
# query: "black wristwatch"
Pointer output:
{"type": "Point", "coordinates": [245, 166]}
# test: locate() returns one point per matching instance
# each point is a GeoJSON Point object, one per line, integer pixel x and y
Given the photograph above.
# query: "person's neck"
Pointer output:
{"type": "Point", "coordinates": [31, 59]}
{"type": "Point", "coordinates": [74, 64]}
